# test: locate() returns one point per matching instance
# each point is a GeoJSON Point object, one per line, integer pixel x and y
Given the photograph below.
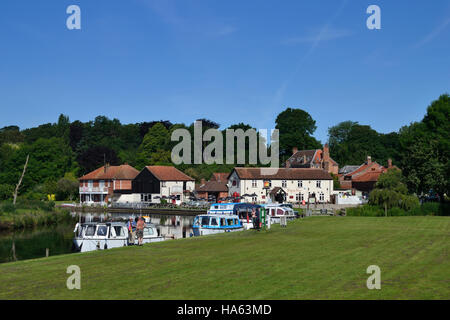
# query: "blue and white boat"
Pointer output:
{"type": "Point", "coordinates": [242, 210]}
{"type": "Point", "coordinates": [216, 223]}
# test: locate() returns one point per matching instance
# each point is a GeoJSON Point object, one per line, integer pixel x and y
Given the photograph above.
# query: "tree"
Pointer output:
{"type": "Point", "coordinates": [16, 191]}
{"type": "Point", "coordinates": [6, 191]}
{"type": "Point", "coordinates": [95, 157]}
{"type": "Point", "coordinates": [351, 143]}
{"type": "Point", "coordinates": [391, 191]}
{"type": "Point", "coordinates": [426, 150]}
{"type": "Point", "coordinates": [339, 134]}
{"type": "Point", "coordinates": [154, 147]}
{"type": "Point", "coordinates": [75, 134]}
{"type": "Point", "coordinates": [67, 186]}
{"type": "Point", "coordinates": [296, 127]}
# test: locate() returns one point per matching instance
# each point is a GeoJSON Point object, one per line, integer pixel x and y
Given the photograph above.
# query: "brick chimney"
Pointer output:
{"type": "Point", "coordinates": [369, 159]}
{"type": "Point", "coordinates": [389, 163]}
{"type": "Point", "coordinates": [203, 181]}
{"type": "Point", "coordinates": [294, 150]}
{"type": "Point", "coordinates": [106, 167]}
{"type": "Point", "coordinates": [326, 152]}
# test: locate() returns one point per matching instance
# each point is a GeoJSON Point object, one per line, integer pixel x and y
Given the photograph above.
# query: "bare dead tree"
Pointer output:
{"type": "Point", "coordinates": [20, 180]}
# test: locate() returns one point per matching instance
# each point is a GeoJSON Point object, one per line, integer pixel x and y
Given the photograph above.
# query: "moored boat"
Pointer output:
{"type": "Point", "coordinates": [105, 235]}
{"type": "Point", "coordinates": [216, 223]}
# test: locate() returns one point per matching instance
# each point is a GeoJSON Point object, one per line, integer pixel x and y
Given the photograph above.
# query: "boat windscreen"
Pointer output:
{"type": "Point", "coordinates": [101, 230]}
{"type": "Point", "coordinates": [119, 231]}
{"type": "Point", "coordinates": [90, 231]}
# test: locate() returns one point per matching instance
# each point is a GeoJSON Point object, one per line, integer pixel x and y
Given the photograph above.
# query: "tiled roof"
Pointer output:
{"type": "Point", "coordinates": [123, 172]}
{"type": "Point", "coordinates": [348, 169]}
{"type": "Point", "coordinates": [213, 186]}
{"type": "Point", "coordinates": [168, 173]}
{"type": "Point", "coordinates": [302, 157]}
{"type": "Point", "coordinates": [275, 190]}
{"type": "Point", "coordinates": [282, 174]}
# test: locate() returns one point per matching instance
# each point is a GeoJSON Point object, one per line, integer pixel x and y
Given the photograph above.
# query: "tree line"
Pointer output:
{"type": "Point", "coordinates": [61, 152]}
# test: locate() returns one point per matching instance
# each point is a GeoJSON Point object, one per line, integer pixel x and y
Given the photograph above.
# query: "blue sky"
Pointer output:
{"type": "Point", "coordinates": [229, 61]}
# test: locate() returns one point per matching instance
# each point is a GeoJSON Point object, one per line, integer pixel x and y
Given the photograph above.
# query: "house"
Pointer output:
{"type": "Point", "coordinates": [215, 188]}
{"type": "Point", "coordinates": [107, 183]}
{"type": "Point", "coordinates": [292, 185]}
{"type": "Point", "coordinates": [316, 158]}
{"type": "Point", "coordinates": [154, 183]}
{"type": "Point", "coordinates": [363, 177]}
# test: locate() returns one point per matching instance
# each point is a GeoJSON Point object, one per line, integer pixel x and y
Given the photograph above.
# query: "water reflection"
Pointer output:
{"type": "Point", "coordinates": [30, 244]}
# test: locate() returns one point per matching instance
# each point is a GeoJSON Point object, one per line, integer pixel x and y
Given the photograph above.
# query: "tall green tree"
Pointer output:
{"type": "Point", "coordinates": [296, 128]}
{"type": "Point", "coordinates": [155, 148]}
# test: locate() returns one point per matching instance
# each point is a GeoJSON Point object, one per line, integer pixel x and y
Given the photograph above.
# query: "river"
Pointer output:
{"type": "Point", "coordinates": [32, 243]}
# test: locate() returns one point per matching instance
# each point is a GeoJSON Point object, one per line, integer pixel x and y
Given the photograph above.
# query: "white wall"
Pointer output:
{"type": "Point", "coordinates": [291, 188]}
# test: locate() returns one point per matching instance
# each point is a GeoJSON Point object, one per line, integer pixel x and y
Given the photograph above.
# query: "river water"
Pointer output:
{"type": "Point", "coordinates": [32, 243]}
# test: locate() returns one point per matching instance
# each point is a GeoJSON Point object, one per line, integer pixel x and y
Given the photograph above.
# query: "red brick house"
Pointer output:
{"type": "Point", "coordinates": [316, 158]}
{"type": "Point", "coordinates": [365, 176]}
{"type": "Point", "coordinates": [101, 185]}
{"type": "Point", "coordinates": [215, 187]}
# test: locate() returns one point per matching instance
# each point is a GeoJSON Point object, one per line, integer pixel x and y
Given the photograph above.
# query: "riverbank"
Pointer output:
{"type": "Point", "coordinates": [30, 214]}
{"type": "Point", "coordinates": [143, 211]}
{"type": "Point", "coordinates": [313, 258]}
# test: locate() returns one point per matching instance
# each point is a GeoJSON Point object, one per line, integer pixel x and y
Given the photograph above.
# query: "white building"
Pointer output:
{"type": "Point", "coordinates": [292, 185]}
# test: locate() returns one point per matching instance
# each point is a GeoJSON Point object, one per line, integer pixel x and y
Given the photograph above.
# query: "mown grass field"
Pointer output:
{"type": "Point", "coordinates": [313, 258]}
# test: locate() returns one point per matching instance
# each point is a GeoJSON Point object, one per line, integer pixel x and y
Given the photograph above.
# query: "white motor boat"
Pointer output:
{"type": "Point", "coordinates": [105, 235]}
{"type": "Point", "coordinates": [276, 211]}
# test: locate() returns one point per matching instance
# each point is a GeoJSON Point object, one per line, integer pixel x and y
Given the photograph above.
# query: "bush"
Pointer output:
{"type": "Point", "coordinates": [8, 207]}
{"type": "Point", "coordinates": [426, 209]}
{"type": "Point", "coordinates": [365, 211]}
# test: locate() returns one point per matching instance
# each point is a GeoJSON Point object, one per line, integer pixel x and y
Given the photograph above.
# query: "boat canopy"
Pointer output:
{"type": "Point", "coordinates": [245, 207]}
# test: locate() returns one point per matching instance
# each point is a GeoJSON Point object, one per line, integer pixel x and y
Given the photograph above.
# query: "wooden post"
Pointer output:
{"type": "Point", "coordinates": [47, 252]}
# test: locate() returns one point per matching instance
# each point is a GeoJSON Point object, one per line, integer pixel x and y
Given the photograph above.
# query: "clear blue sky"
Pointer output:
{"type": "Point", "coordinates": [229, 61]}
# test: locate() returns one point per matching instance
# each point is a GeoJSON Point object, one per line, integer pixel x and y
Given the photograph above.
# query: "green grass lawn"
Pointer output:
{"type": "Point", "coordinates": [313, 258]}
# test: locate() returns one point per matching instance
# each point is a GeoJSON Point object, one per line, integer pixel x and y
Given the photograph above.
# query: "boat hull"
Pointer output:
{"type": "Point", "coordinates": [207, 231]}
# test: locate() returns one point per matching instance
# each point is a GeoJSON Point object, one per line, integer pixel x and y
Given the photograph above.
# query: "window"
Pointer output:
{"type": "Point", "coordinates": [101, 230]}
{"type": "Point", "coordinates": [214, 222]}
{"type": "Point", "coordinates": [90, 231]}
{"type": "Point", "coordinates": [146, 197]}
{"type": "Point", "coordinates": [318, 183]}
{"type": "Point", "coordinates": [300, 183]}
{"type": "Point", "coordinates": [205, 221]}
{"type": "Point", "coordinates": [321, 196]}
{"type": "Point", "coordinates": [148, 231]}
{"type": "Point", "coordinates": [222, 222]}
{"type": "Point", "coordinates": [234, 183]}
{"type": "Point", "coordinates": [272, 212]}
{"type": "Point", "coordinates": [254, 183]}
{"type": "Point", "coordinates": [163, 184]}
{"type": "Point", "coordinates": [230, 222]}
{"type": "Point", "coordinates": [119, 231]}
{"type": "Point", "coordinates": [280, 212]}
{"type": "Point", "coordinates": [284, 183]}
